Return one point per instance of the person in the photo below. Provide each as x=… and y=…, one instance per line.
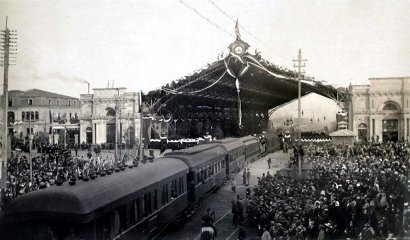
x=207, y=232
x=209, y=216
x=209, y=219
x=248, y=176
x=233, y=185
x=266, y=234
x=269, y=162
x=234, y=211
x=244, y=177
x=239, y=208
x=242, y=233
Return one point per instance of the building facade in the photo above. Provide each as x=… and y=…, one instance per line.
x=46, y=112
x=109, y=110
x=381, y=110
x=318, y=114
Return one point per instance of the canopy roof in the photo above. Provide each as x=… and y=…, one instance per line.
x=259, y=90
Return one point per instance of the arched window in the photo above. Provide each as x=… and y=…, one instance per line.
x=362, y=132
x=110, y=112
x=89, y=135
x=36, y=116
x=23, y=116
x=390, y=107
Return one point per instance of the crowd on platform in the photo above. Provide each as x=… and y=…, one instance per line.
x=54, y=167
x=357, y=192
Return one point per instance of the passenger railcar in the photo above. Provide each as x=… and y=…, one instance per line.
x=130, y=204
x=235, y=155
x=206, y=165
x=252, y=148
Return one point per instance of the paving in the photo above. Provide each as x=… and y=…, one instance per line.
x=220, y=202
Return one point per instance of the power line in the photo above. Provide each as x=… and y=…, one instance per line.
x=205, y=18
x=243, y=28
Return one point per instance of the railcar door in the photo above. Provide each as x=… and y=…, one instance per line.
x=228, y=171
x=191, y=187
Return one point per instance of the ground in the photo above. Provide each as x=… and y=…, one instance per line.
x=220, y=202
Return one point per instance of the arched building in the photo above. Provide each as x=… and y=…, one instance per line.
x=381, y=109
x=106, y=110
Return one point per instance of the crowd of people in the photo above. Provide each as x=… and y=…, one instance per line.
x=357, y=192
x=55, y=167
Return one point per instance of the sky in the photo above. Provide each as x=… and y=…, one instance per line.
x=144, y=44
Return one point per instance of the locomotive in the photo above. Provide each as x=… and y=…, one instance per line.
x=133, y=204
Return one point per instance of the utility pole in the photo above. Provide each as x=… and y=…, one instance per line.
x=30, y=141
x=8, y=41
x=299, y=65
x=141, y=126
x=116, y=129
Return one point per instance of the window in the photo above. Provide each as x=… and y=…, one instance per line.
x=174, y=189
x=133, y=212
x=181, y=185
x=10, y=102
x=390, y=107
x=69, y=103
x=155, y=196
x=164, y=198
x=36, y=116
x=75, y=115
x=147, y=204
x=198, y=176
x=23, y=116
x=49, y=102
x=75, y=103
x=70, y=115
x=58, y=103
x=30, y=101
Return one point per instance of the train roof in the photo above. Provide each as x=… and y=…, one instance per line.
x=249, y=139
x=198, y=155
x=232, y=143
x=85, y=198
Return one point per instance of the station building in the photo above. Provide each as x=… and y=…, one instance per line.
x=106, y=110
x=47, y=112
x=380, y=110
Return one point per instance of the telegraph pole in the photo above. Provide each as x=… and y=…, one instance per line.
x=8, y=41
x=30, y=142
x=141, y=126
x=299, y=65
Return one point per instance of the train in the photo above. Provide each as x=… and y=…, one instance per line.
x=135, y=203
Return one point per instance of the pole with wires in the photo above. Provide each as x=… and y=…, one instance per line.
x=9, y=49
x=299, y=67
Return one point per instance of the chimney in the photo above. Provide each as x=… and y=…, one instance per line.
x=88, y=88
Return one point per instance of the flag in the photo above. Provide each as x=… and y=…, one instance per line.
x=238, y=35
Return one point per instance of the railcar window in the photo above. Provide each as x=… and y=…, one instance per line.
x=174, y=189
x=133, y=213
x=155, y=198
x=147, y=204
x=198, y=176
x=164, y=199
x=180, y=185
